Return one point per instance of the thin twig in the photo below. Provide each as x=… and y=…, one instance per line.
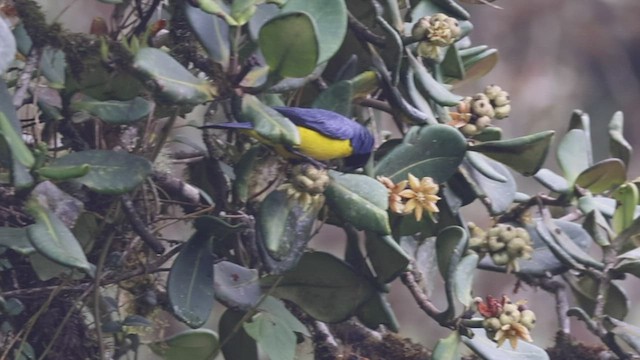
x=559, y=290
x=139, y=226
x=409, y=280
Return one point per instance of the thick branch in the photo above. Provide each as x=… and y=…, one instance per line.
x=139, y=227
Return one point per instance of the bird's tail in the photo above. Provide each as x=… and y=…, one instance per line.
x=229, y=125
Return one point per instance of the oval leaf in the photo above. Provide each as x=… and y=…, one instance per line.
x=190, y=283
x=500, y=193
x=463, y=278
x=524, y=154
x=552, y=181
x=323, y=286
x=290, y=45
x=16, y=239
x=377, y=311
x=432, y=150
x=211, y=31
x=8, y=48
x=236, y=286
x=603, y=176
x=448, y=348
x=387, y=257
x=626, y=197
x=360, y=200
x=330, y=19
x=618, y=146
x=585, y=291
x=173, y=82
x=238, y=344
x=199, y=344
x=285, y=226
x=434, y=89
x=115, y=112
x=573, y=153
x=110, y=172
x=19, y=151
x=52, y=239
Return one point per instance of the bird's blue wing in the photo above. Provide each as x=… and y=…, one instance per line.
x=325, y=122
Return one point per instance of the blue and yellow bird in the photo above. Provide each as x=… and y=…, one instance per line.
x=324, y=135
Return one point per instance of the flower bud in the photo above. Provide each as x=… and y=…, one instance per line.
x=507, y=232
x=502, y=99
x=491, y=323
x=482, y=107
x=482, y=122
x=516, y=247
x=495, y=244
x=528, y=319
x=502, y=112
x=492, y=91
x=500, y=258
x=469, y=130
x=420, y=28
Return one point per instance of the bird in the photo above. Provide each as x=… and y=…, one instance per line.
x=324, y=135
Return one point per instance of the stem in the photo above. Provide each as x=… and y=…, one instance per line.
x=25, y=77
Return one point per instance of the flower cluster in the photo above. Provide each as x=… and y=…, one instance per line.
x=435, y=32
x=504, y=320
x=474, y=114
x=504, y=243
x=306, y=183
x=420, y=196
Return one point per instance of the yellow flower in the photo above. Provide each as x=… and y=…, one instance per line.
x=422, y=196
x=512, y=332
x=395, y=200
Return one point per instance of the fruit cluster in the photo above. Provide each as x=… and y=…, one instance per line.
x=505, y=320
x=434, y=33
x=504, y=243
x=474, y=114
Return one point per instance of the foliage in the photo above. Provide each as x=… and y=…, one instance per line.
x=92, y=180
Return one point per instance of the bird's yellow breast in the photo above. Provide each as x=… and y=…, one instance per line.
x=321, y=147
x=312, y=144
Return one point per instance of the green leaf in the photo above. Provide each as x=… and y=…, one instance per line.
x=236, y=286
x=16, y=239
x=285, y=225
x=53, y=65
x=580, y=120
x=618, y=145
x=236, y=345
x=19, y=151
x=115, y=112
x=585, y=292
x=569, y=246
x=243, y=10
x=46, y=269
x=598, y=227
x=273, y=328
x=626, y=200
x=323, y=286
x=426, y=261
x=377, y=311
x=289, y=44
x=448, y=348
x=218, y=8
x=488, y=350
x=52, y=239
x=452, y=65
x=433, y=88
x=212, y=32
x=387, y=257
x=268, y=123
x=478, y=64
x=277, y=341
x=360, y=200
x=500, y=193
x=8, y=48
x=573, y=153
x=432, y=150
x=264, y=13
x=603, y=176
x=330, y=20
x=192, y=344
x=173, y=83
x=628, y=333
x=524, y=154
x=63, y=172
x=111, y=172
x=190, y=283
x=484, y=166
x=336, y=97
x=450, y=245
x=463, y=279
x=552, y=181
